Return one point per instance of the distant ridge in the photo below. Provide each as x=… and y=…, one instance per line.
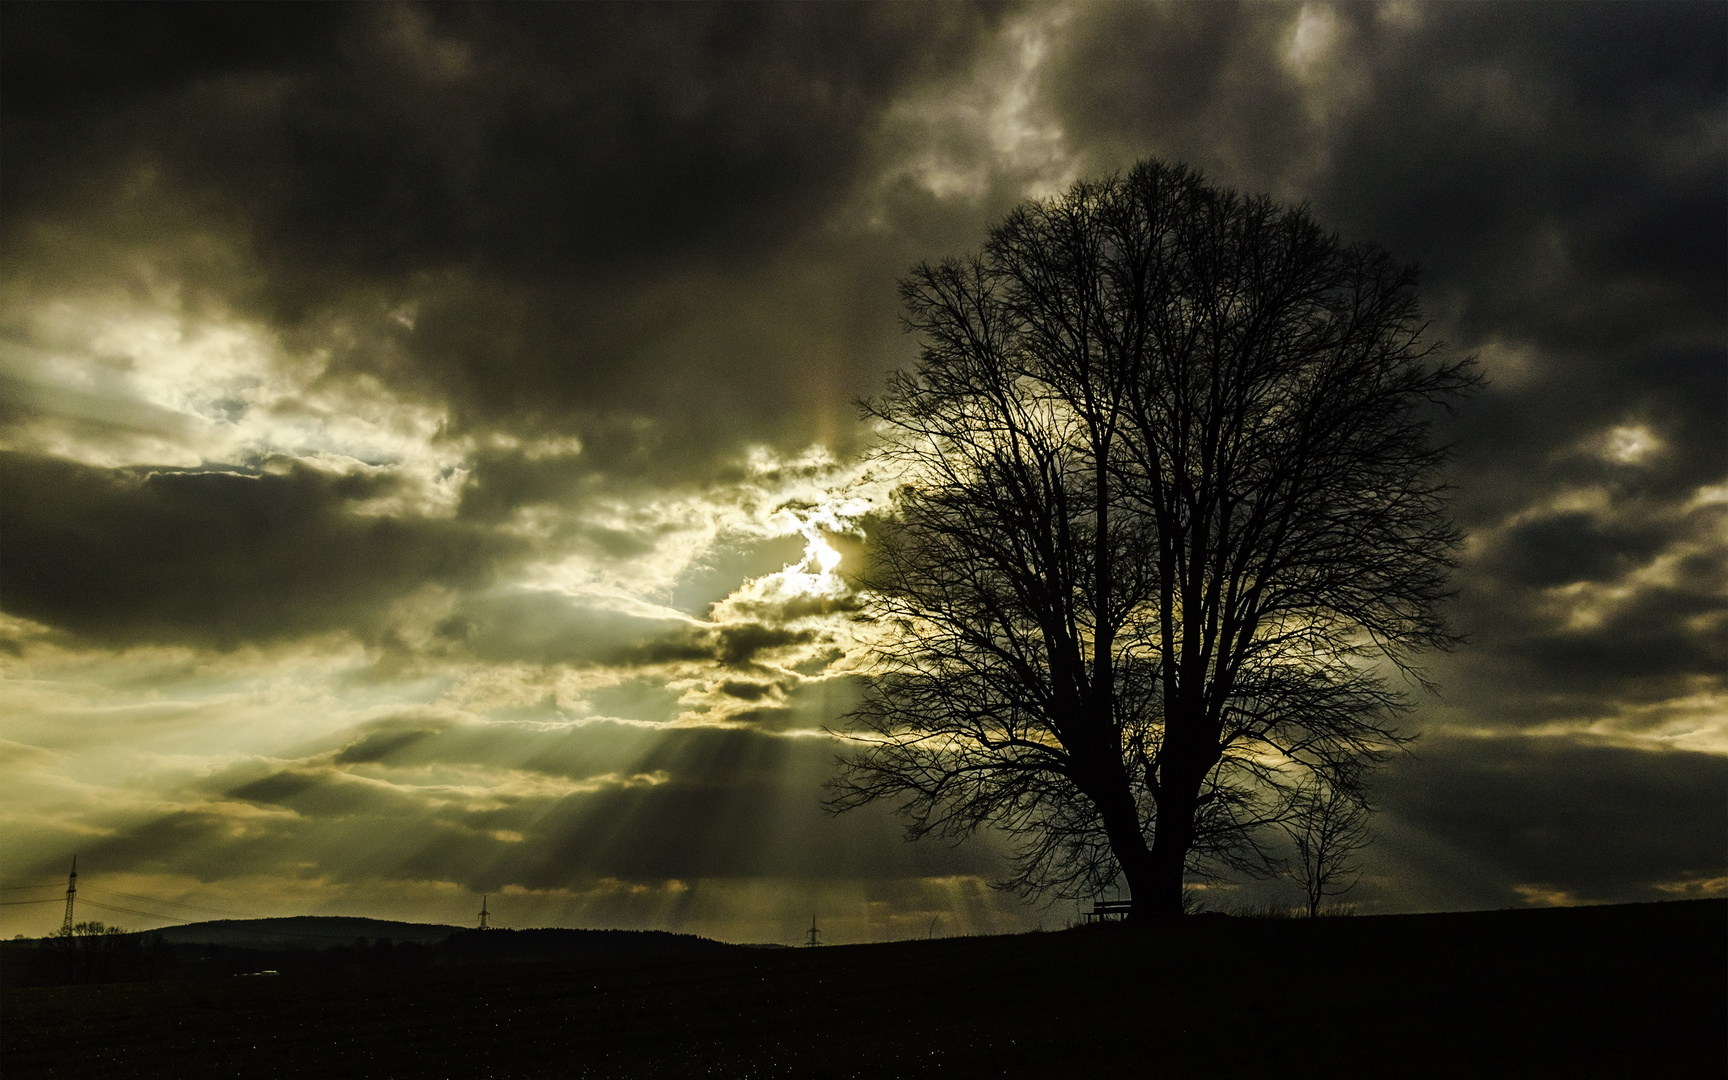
x=457, y=943
x=303, y=932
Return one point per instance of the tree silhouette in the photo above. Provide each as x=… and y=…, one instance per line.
x=1329, y=828
x=1169, y=505
x=90, y=950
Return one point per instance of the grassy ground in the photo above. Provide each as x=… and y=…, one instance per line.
x=1623, y=992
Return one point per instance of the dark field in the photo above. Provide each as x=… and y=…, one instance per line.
x=1635, y=991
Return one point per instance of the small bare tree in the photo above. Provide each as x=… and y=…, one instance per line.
x=1329, y=827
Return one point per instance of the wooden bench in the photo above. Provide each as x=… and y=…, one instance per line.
x=1103, y=910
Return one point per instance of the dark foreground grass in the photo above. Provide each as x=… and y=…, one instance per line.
x=1636, y=991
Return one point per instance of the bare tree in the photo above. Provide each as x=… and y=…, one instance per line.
x=1329, y=828
x=89, y=950
x=1169, y=502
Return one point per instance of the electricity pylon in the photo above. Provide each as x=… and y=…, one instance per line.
x=483, y=925
x=71, y=891
x=813, y=936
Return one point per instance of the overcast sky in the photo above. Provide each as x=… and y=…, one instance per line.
x=428, y=432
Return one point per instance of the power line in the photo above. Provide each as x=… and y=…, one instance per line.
x=167, y=918
x=130, y=896
x=170, y=903
x=132, y=911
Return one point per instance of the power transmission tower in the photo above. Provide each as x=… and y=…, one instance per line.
x=813, y=936
x=483, y=923
x=71, y=891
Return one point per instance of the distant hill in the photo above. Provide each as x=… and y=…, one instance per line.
x=457, y=943
x=312, y=943
x=303, y=932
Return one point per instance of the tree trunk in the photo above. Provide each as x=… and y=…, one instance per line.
x=1180, y=779
x=1128, y=844
x=1108, y=786
x=1153, y=874
x=1168, y=858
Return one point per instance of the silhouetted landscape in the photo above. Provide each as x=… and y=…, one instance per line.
x=1631, y=990
x=312, y=944
x=911, y=471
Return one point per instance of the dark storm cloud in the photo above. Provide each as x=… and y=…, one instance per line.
x=1575, y=614
x=1193, y=82
x=583, y=140
x=121, y=557
x=596, y=212
x=207, y=846
x=552, y=628
x=415, y=742
x=1555, y=168
x=740, y=645
x=326, y=794
x=73, y=61
x=1576, y=546
x=1557, y=171
x=392, y=739
x=1597, y=822
x=500, y=482
x=746, y=691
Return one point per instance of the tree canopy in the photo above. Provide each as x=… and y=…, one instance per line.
x=1171, y=525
